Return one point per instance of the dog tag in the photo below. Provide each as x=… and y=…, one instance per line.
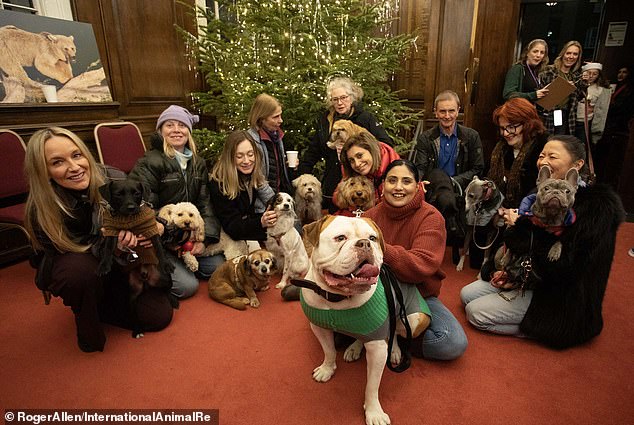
x=559, y=118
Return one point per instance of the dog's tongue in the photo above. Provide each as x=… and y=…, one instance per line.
x=367, y=271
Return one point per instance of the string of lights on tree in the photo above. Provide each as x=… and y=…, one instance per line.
x=290, y=49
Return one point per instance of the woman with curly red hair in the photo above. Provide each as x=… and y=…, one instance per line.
x=522, y=137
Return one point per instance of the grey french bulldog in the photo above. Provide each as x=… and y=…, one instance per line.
x=554, y=198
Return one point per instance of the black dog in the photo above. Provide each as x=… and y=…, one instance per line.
x=127, y=211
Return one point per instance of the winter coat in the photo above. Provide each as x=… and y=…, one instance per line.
x=565, y=309
x=317, y=149
x=514, y=82
x=238, y=216
x=469, y=162
x=169, y=184
x=275, y=169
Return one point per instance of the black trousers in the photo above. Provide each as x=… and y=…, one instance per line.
x=96, y=300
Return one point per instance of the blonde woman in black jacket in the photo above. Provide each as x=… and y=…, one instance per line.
x=174, y=173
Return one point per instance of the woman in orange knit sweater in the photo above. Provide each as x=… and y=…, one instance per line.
x=415, y=237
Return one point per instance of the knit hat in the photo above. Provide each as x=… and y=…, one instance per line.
x=592, y=65
x=178, y=113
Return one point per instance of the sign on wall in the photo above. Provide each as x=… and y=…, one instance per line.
x=616, y=34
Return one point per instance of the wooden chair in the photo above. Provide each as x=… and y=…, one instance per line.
x=14, y=240
x=119, y=144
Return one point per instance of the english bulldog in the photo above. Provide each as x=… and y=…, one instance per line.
x=342, y=292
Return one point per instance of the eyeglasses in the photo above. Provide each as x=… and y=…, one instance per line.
x=510, y=129
x=339, y=99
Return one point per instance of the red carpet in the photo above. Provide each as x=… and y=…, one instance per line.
x=255, y=366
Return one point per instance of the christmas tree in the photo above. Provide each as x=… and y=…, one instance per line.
x=290, y=49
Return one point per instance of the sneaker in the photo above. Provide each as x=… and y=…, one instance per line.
x=291, y=293
x=631, y=252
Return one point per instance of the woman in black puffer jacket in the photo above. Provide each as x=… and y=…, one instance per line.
x=174, y=173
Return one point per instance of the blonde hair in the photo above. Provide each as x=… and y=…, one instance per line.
x=263, y=107
x=44, y=206
x=225, y=171
x=352, y=89
x=364, y=140
x=559, y=59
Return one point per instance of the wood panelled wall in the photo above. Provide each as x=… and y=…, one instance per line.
x=145, y=61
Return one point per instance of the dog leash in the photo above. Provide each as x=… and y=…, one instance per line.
x=475, y=220
x=389, y=284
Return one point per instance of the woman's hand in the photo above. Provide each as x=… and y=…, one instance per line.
x=541, y=93
x=160, y=227
x=198, y=248
x=126, y=239
x=509, y=215
x=269, y=218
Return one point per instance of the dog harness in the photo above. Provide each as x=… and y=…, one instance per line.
x=369, y=322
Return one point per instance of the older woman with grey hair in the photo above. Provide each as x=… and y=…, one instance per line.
x=343, y=102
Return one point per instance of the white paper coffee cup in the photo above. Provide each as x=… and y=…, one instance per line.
x=50, y=93
x=293, y=159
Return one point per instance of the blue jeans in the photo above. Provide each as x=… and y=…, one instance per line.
x=488, y=311
x=184, y=282
x=444, y=339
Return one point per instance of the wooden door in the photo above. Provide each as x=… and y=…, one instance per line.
x=491, y=53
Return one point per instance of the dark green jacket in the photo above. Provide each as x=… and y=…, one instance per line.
x=513, y=84
x=168, y=184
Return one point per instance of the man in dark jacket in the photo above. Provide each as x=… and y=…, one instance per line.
x=453, y=147
x=344, y=99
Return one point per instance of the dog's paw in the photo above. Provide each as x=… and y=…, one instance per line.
x=555, y=252
x=190, y=262
x=281, y=285
x=374, y=415
x=460, y=265
x=262, y=289
x=395, y=355
x=255, y=303
x=137, y=334
x=353, y=352
x=323, y=372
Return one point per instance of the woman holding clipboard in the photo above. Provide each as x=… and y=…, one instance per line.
x=561, y=119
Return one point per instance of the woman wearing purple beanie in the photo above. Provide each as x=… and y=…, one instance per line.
x=173, y=173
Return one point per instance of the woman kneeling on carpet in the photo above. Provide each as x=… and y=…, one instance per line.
x=415, y=236
x=174, y=172
x=239, y=189
x=562, y=308
x=63, y=214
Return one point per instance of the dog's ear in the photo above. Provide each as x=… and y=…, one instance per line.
x=313, y=230
x=544, y=173
x=572, y=177
x=105, y=192
x=295, y=182
x=272, y=201
x=247, y=263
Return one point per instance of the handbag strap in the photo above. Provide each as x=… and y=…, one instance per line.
x=390, y=283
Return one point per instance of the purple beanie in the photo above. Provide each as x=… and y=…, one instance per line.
x=178, y=113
